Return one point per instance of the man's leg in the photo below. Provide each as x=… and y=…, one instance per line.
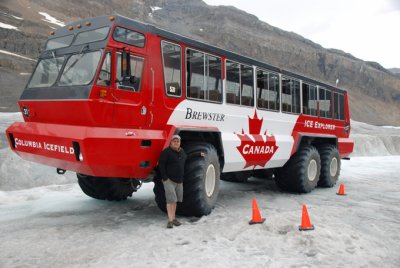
x=171, y=208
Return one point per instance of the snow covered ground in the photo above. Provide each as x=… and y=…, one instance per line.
x=56, y=225
x=50, y=19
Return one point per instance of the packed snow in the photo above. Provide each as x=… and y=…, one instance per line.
x=50, y=19
x=8, y=26
x=153, y=9
x=47, y=221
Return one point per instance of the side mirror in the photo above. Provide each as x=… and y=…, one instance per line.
x=125, y=65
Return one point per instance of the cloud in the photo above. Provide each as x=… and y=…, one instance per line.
x=394, y=4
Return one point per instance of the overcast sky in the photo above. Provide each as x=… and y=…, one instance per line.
x=367, y=29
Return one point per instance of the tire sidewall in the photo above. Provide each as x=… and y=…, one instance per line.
x=211, y=158
x=327, y=180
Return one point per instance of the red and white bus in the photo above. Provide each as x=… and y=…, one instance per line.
x=108, y=93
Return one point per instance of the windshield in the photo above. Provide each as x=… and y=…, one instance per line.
x=80, y=69
x=46, y=72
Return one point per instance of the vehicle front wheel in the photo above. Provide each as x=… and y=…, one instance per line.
x=201, y=182
x=112, y=189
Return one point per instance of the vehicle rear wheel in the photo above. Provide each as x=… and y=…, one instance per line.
x=330, y=165
x=201, y=182
x=112, y=189
x=301, y=173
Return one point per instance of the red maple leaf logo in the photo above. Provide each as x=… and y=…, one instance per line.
x=255, y=148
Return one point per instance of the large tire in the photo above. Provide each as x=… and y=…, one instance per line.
x=159, y=192
x=301, y=173
x=201, y=182
x=330, y=165
x=112, y=189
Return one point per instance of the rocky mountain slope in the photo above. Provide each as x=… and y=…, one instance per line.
x=374, y=91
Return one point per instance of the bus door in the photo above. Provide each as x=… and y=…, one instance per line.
x=130, y=92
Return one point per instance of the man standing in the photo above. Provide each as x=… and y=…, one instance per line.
x=171, y=166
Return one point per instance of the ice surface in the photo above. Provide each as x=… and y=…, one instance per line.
x=58, y=226
x=375, y=140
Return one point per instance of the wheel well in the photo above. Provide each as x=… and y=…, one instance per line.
x=214, y=138
x=316, y=141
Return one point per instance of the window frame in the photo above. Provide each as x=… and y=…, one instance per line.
x=316, y=96
x=300, y=94
x=104, y=56
x=162, y=58
x=67, y=59
x=341, y=109
x=119, y=26
x=319, y=103
x=116, y=71
x=205, y=76
x=279, y=89
x=49, y=40
x=240, y=83
x=85, y=43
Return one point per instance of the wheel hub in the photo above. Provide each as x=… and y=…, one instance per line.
x=333, y=167
x=210, y=180
x=312, y=170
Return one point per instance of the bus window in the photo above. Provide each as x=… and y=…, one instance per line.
x=203, y=76
x=172, y=68
x=232, y=82
x=133, y=82
x=239, y=84
x=127, y=36
x=104, y=78
x=80, y=69
x=59, y=42
x=310, y=99
x=325, y=103
x=339, y=106
x=214, y=78
x=290, y=95
x=195, y=74
x=267, y=90
x=91, y=36
x=341, y=101
x=247, y=85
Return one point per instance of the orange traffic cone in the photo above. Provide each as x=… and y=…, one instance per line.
x=305, y=221
x=341, y=190
x=256, y=214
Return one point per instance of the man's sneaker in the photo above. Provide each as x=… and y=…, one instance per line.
x=176, y=222
x=170, y=224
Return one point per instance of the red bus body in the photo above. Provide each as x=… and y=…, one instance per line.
x=113, y=132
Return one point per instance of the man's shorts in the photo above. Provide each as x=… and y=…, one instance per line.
x=173, y=191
